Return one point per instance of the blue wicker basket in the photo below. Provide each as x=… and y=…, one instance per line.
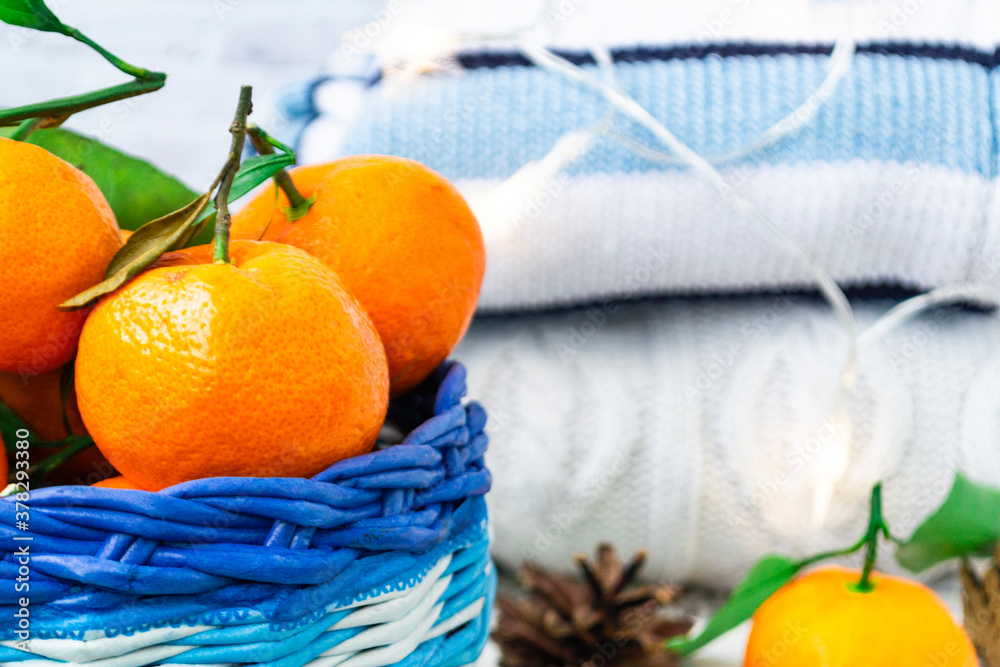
x=379, y=560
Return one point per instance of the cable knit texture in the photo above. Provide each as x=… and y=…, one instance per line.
x=696, y=428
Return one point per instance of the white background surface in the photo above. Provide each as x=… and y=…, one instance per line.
x=207, y=48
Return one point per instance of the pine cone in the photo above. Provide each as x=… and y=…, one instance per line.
x=981, y=606
x=600, y=620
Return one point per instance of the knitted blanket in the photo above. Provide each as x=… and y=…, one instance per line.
x=891, y=183
x=700, y=428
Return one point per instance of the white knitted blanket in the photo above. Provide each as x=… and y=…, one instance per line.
x=697, y=428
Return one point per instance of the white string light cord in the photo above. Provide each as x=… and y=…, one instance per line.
x=625, y=104
x=976, y=291
x=833, y=465
x=498, y=207
x=841, y=59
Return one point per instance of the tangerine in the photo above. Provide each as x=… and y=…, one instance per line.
x=822, y=619
x=402, y=239
x=116, y=483
x=264, y=366
x=57, y=237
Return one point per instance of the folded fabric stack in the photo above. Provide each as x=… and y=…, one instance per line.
x=700, y=427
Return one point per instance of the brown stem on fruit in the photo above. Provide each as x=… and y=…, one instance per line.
x=223, y=219
x=298, y=206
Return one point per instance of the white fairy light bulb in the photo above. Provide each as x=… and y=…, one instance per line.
x=405, y=48
x=500, y=209
x=834, y=459
x=417, y=44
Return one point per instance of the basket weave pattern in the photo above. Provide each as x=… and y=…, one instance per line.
x=378, y=560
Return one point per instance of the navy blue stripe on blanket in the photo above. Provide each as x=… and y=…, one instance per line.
x=641, y=54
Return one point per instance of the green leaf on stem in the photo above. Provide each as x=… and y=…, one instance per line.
x=10, y=424
x=69, y=446
x=62, y=108
x=136, y=190
x=30, y=14
x=34, y=14
x=256, y=170
x=766, y=576
x=252, y=173
x=157, y=237
x=259, y=135
x=966, y=524
x=143, y=248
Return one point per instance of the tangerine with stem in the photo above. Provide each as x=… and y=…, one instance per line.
x=402, y=239
x=825, y=618
x=262, y=366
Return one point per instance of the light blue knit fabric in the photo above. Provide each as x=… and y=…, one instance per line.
x=889, y=184
x=489, y=122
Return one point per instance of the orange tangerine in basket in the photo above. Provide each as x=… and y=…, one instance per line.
x=402, y=239
x=264, y=366
x=116, y=483
x=37, y=400
x=57, y=236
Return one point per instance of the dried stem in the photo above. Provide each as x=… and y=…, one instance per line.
x=223, y=219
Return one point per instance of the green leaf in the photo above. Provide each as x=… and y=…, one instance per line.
x=256, y=170
x=70, y=446
x=766, y=576
x=257, y=133
x=142, y=249
x=157, y=237
x=968, y=523
x=136, y=190
x=59, y=109
x=253, y=172
x=30, y=14
x=10, y=424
